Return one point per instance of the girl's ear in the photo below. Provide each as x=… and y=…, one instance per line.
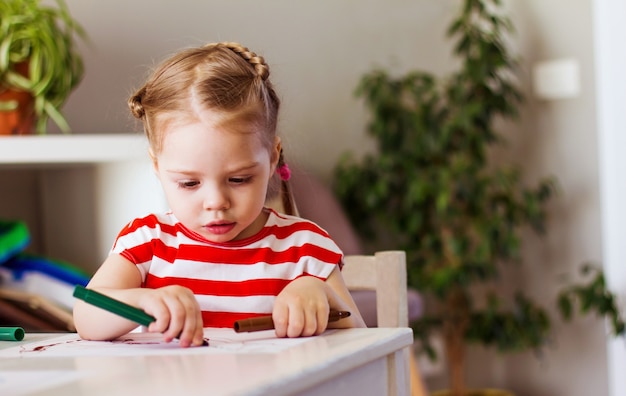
x=275, y=155
x=155, y=163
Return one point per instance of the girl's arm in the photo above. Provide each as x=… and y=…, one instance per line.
x=343, y=301
x=302, y=307
x=175, y=308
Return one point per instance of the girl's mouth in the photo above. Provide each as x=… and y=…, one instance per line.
x=219, y=228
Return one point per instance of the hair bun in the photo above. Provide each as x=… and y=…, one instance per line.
x=135, y=105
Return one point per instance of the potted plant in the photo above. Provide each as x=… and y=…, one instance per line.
x=431, y=189
x=39, y=64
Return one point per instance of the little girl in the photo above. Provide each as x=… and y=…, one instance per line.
x=219, y=254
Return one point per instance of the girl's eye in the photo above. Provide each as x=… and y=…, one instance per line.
x=188, y=184
x=239, y=180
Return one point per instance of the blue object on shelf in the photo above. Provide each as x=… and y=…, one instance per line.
x=14, y=237
x=23, y=263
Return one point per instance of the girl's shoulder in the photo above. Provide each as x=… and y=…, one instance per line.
x=281, y=220
x=152, y=223
x=297, y=230
x=301, y=238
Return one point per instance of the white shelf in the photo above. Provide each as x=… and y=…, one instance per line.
x=84, y=189
x=72, y=149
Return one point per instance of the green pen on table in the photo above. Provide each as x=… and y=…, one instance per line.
x=11, y=334
x=115, y=306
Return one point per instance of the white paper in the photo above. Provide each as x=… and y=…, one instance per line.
x=135, y=344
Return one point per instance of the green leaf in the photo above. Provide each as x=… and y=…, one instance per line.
x=44, y=36
x=431, y=186
x=9, y=105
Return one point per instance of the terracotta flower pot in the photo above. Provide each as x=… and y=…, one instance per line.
x=21, y=120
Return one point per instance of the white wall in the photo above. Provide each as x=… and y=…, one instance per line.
x=609, y=33
x=317, y=50
x=561, y=139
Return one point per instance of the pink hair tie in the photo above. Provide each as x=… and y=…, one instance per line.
x=284, y=172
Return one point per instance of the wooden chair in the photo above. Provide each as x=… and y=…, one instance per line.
x=385, y=273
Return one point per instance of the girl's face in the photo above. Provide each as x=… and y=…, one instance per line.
x=215, y=179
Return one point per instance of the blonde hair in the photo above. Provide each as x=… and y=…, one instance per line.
x=225, y=77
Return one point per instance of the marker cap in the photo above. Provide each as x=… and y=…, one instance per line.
x=11, y=334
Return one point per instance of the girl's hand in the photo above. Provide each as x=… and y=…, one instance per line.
x=175, y=308
x=177, y=314
x=301, y=308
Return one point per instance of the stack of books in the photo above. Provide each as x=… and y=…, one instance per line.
x=35, y=292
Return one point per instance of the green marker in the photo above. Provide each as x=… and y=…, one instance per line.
x=115, y=306
x=11, y=334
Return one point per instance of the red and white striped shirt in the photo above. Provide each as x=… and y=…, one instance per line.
x=233, y=280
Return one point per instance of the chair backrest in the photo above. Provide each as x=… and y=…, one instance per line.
x=385, y=273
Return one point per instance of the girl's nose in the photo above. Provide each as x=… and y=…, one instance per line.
x=215, y=198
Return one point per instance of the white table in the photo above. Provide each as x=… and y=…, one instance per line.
x=339, y=362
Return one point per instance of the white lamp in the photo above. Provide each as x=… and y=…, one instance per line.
x=556, y=79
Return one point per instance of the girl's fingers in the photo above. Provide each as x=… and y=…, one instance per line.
x=322, y=320
x=160, y=312
x=300, y=317
x=280, y=316
x=307, y=321
x=184, y=318
x=177, y=318
x=177, y=315
x=315, y=320
x=297, y=321
x=198, y=338
x=192, y=333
